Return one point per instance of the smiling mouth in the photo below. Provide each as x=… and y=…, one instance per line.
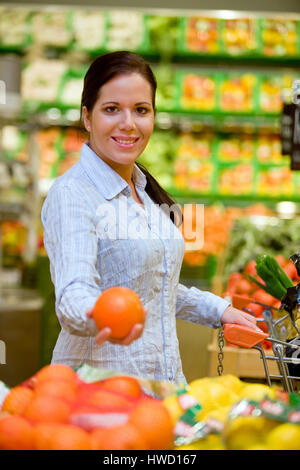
x=126, y=142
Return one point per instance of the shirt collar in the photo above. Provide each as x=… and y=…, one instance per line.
x=108, y=182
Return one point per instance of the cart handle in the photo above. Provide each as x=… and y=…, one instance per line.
x=242, y=335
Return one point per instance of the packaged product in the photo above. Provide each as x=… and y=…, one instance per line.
x=201, y=35
x=88, y=28
x=239, y=35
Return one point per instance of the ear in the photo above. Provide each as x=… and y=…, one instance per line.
x=86, y=118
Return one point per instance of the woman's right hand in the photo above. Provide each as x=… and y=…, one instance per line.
x=105, y=333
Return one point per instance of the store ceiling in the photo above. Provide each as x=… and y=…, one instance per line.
x=292, y=6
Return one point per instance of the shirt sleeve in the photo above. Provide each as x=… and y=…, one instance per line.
x=197, y=306
x=71, y=243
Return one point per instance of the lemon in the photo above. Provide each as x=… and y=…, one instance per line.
x=172, y=405
x=257, y=392
x=199, y=382
x=221, y=396
x=246, y=431
x=211, y=442
x=231, y=382
x=284, y=437
x=200, y=392
x=220, y=414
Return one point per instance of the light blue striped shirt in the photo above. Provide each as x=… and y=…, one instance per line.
x=97, y=236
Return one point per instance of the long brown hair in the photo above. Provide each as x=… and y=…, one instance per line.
x=103, y=69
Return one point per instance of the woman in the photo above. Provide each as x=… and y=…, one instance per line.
x=84, y=217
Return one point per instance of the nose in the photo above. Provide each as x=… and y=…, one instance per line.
x=127, y=121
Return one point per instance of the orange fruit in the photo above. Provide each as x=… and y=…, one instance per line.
x=118, y=308
x=47, y=409
x=16, y=433
x=57, y=388
x=123, y=384
x=154, y=422
x=42, y=434
x=56, y=372
x=52, y=436
x=108, y=400
x=124, y=437
x=17, y=400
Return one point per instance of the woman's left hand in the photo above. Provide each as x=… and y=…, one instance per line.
x=233, y=315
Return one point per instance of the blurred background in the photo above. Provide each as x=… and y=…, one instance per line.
x=223, y=138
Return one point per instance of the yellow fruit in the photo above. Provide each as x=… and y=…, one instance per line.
x=202, y=395
x=246, y=431
x=199, y=382
x=172, y=405
x=220, y=414
x=221, y=396
x=284, y=437
x=211, y=442
x=257, y=392
x=231, y=382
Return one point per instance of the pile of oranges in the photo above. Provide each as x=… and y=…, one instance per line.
x=56, y=410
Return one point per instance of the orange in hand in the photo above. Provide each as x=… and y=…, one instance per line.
x=119, y=309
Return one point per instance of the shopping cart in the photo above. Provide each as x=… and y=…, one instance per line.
x=286, y=352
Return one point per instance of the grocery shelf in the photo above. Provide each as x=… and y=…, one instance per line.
x=228, y=59
x=196, y=121
x=10, y=210
x=190, y=195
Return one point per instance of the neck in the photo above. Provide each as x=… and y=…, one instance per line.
x=125, y=171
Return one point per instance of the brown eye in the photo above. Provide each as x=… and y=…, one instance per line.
x=110, y=109
x=142, y=110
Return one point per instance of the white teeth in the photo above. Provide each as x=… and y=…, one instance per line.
x=125, y=142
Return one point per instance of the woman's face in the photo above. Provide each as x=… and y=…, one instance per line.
x=122, y=119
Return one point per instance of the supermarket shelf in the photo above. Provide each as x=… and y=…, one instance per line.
x=182, y=58
x=10, y=210
x=196, y=121
x=258, y=60
x=188, y=195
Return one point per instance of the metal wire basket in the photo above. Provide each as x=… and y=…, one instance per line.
x=286, y=352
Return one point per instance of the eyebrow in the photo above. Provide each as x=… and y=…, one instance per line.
x=136, y=104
